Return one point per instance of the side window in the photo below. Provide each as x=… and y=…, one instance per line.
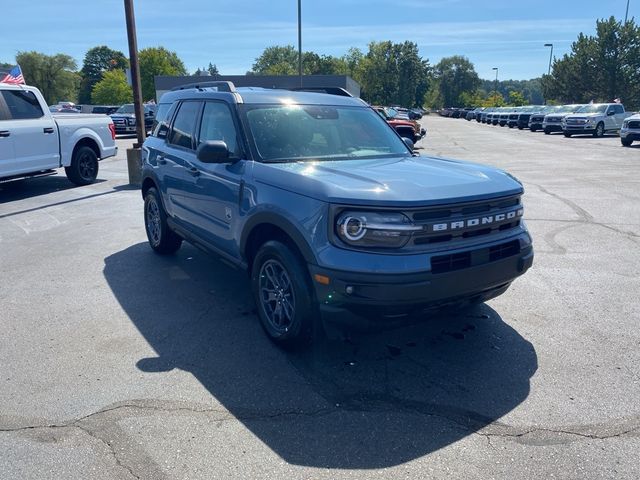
x=217, y=124
x=22, y=105
x=181, y=134
x=163, y=117
x=618, y=109
x=4, y=113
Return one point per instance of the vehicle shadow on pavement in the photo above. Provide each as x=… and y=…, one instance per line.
x=23, y=188
x=373, y=401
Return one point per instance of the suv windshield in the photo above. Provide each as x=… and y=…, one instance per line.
x=126, y=108
x=320, y=132
x=593, y=109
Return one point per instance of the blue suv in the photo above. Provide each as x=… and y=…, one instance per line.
x=331, y=213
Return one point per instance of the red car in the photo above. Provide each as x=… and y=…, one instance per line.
x=406, y=128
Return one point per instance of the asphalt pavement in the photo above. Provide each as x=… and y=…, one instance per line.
x=116, y=363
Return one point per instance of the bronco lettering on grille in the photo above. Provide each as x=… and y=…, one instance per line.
x=474, y=222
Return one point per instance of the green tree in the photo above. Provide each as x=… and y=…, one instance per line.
x=600, y=67
x=213, y=69
x=516, y=98
x=453, y=76
x=54, y=75
x=393, y=74
x=277, y=60
x=112, y=89
x=97, y=61
x=157, y=61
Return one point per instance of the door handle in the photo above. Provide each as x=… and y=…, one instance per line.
x=161, y=160
x=47, y=130
x=194, y=171
x=4, y=133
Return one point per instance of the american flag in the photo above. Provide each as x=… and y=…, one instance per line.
x=14, y=76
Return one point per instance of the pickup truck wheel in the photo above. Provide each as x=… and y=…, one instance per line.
x=84, y=166
x=283, y=296
x=161, y=238
x=599, y=131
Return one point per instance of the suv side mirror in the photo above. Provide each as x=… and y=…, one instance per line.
x=611, y=113
x=213, y=151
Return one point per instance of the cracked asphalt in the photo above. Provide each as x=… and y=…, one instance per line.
x=118, y=364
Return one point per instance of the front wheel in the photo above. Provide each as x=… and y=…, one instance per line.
x=567, y=134
x=84, y=166
x=161, y=238
x=547, y=131
x=282, y=292
x=599, y=131
x=533, y=129
x=626, y=142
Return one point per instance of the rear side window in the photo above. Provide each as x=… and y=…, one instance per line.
x=618, y=109
x=22, y=105
x=161, y=116
x=181, y=134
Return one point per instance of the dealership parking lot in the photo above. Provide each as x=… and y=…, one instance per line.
x=117, y=363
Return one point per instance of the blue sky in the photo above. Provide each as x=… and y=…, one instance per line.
x=492, y=33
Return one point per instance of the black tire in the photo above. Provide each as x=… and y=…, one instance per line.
x=283, y=295
x=599, y=131
x=84, y=166
x=161, y=238
x=568, y=134
x=534, y=129
x=547, y=131
x=520, y=128
x=625, y=142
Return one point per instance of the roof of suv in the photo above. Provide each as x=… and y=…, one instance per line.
x=258, y=95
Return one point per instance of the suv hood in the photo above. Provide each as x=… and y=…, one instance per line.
x=398, y=181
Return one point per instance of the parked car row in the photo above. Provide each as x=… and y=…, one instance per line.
x=123, y=116
x=400, y=120
x=596, y=119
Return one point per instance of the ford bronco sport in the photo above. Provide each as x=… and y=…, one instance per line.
x=328, y=209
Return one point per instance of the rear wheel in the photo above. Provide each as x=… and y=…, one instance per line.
x=284, y=299
x=161, y=238
x=599, y=131
x=84, y=166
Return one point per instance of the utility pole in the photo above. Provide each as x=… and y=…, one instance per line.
x=300, y=41
x=496, y=84
x=550, y=56
x=134, y=155
x=626, y=15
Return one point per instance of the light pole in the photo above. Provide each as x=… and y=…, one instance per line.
x=550, y=56
x=300, y=41
x=496, y=84
x=626, y=15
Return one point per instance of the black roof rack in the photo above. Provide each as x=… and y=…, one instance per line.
x=330, y=90
x=222, y=86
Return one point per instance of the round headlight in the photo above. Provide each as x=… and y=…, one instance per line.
x=353, y=228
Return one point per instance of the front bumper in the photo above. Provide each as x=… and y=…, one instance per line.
x=578, y=129
x=364, y=298
x=552, y=127
x=633, y=135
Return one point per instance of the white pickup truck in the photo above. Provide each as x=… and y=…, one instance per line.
x=595, y=119
x=33, y=141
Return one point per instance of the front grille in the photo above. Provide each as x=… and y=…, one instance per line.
x=537, y=119
x=456, y=223
x=513, y=116
x=554, y=120
x=481, y=256
x=634, y=124
x=576, y=121
x=119, y=121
